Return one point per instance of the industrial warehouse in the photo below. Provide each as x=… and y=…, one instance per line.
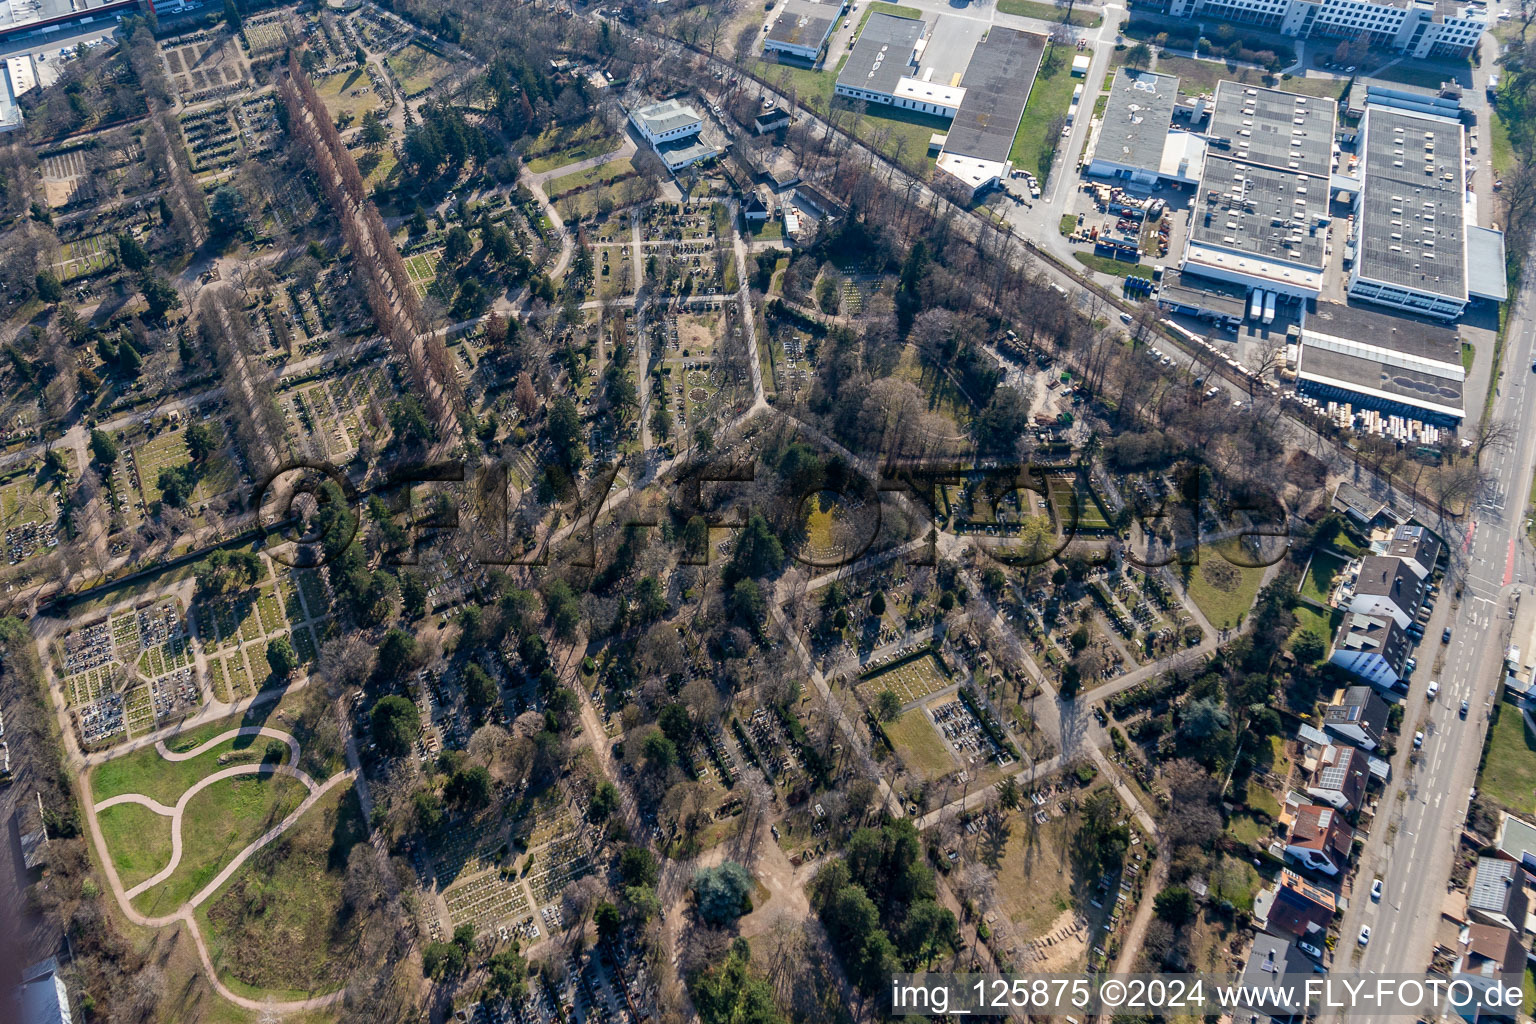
x=937, y=70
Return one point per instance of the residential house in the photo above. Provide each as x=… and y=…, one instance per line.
x=1320, y=839
x=1339, y=778
x=1271, y=960
x=1295, y=908
x=1372, y=648
x=1416, y=546
x=1387, y=585
x=755, y=207
x=1359, y=715
x=771, y=120
x=1497, y=895
x=1493, y=955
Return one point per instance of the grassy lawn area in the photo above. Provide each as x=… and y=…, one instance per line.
x=140, y=841
x=1118, y=268
x=1468, y=354
x=417, y=68
x=1246, y=829
x=811, y=87
x=1235, y=881
x=602, y=173
x=219, y=822
x=1320, y=624
x=1049, y=98
x=1503, y=149
x=1198, y=76
x=1050, y=12
x=556, y=149
x=1427, y=74
x=1224, y=591
x=1068, y=224
x=919, y=745
x=1509, y=775
x=279, y=923
x=145, y=771
x=1320, y=573
x=336, y=90
x=1034, y=876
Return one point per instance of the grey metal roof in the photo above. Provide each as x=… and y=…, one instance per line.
x=1279, y=129
x=1260, y=211
x=1413, y=388
x=803, y=23
x=1408, y=335
x=1204, y=293
x=1136, y=119
x=882, y=55
x=1486, y=276
x=997, y=84
x=1412, y=221
x=667, y=115
x=1372, y=634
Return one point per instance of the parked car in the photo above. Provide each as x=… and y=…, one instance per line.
x=1433, y=690
x=1418, y=739
x=1311, y=950
x=1376, y=889
x=1365, y=934
x=1445, y=635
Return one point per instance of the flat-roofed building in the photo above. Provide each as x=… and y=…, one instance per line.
x=673, y=129
x=1394, y=364
x=881, y=59
x=802, y=28
x=997, y=83
x=1134, y=129
x=1410, y=220
x=1260, y=218
x=1418, y=28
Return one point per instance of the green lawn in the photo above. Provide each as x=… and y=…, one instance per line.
x=1320, y=573
x=1198, y=76
x=1427, y=74
x=1503, y=149
x=1235, y=881
x=1068, y=224
x=1319, y=624
x=1049, y=98
x=1509, y=775
x=1223, y=591
x=919, y=745
x=1118, y=268
x=1050, y=12
x=139, y=839
x=219, y=822
x=279, y=924
x=145, y=771
x=559, y=149
x=1468, y=354
x=601, y=174
x=1245, y=829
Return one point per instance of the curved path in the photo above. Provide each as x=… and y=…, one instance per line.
x=185, y=915
x=175, y=813
x=244, y=730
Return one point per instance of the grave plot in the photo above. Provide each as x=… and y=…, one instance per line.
x=465, y=848
x=485, y=902
x=910, y=677
x=65, y=178
x=203, y=65
x=168, y=450
x=86, y=256
x=237, y=630
x=422, y=267
x=787, y=347
x=964, y=734
x=29, y=513
x=264, y=35
x=329, y=414
x=213, y=137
